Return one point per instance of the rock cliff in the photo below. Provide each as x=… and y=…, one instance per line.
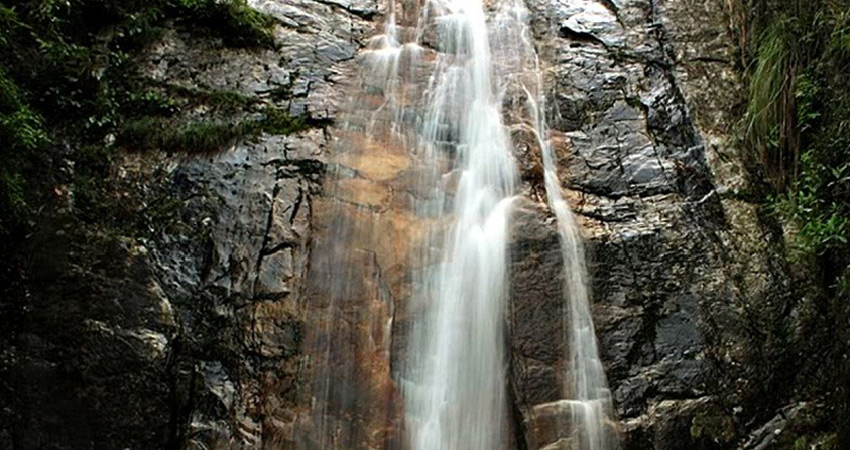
x=220, y=333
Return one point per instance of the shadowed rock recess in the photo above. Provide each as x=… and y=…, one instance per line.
x=205, y=336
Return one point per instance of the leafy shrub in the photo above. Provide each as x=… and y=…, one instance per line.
x=21, y=133
x=797, y=59
x=70, y=64
x=798, y=118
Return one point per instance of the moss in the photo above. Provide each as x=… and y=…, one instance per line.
x=238, y=24
x=150, y=103
x=281, y=93
x=279, y=121
x=713, y=427
x=145, y=133
x=206, y=137
x=71, y=65
x=219, y=99
x=152, y=128
x=203, y=136
x=828, y=441
x=153, y=133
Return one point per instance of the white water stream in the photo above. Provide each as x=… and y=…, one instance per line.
x=485, y=70
x=457, y=397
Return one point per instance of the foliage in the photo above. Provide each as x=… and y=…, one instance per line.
x=797, y=60
x=203, y=136
x=70, y=94
x=150, y=133
x=798, y=118
x=218, y=99
x=279, y=121
x=827, y=442
x=21, y=133
x=770, y=111
x=237, y=23
x=69, y=64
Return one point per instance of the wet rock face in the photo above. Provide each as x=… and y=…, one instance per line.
x=234, y=273
x=536, y=313
x=204, y=336
x=640, y=94
x=235, y=269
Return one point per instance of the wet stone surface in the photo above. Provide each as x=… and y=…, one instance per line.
x=210, y=326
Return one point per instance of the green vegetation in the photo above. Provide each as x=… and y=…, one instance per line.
x=75, y=196
x=219, y=99
x=203, y=136
x=149, y=133
x=771, y=127
x=796, y=55
x=798, y=122
x=22, y=133
x=238, y=24
x=827, y=442
x=278, y=121
x=68, y=80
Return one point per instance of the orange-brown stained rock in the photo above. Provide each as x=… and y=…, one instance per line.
x=375, y=159
x=274, y=327
x=391, y=235
x=351, y=343
x=362, y=192
x=548, y=425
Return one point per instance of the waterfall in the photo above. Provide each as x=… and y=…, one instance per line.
x=591, y=425
x=591, y=406
x=447, y=93
x=456, y=398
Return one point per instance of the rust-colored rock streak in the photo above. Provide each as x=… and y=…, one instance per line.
x=365, y=231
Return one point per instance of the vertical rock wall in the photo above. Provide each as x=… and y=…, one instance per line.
x=236, y=272
x=689, y=284
x=206, y=334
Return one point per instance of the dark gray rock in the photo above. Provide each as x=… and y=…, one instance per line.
x=537, y=334
x=676, y=267
x=196, y=335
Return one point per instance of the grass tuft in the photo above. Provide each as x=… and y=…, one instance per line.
x=204, y=136
x=770, y=117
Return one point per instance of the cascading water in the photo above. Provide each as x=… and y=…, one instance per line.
x=589, y=399
x=591, y=407
x=483, y=78
x=456, y=396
